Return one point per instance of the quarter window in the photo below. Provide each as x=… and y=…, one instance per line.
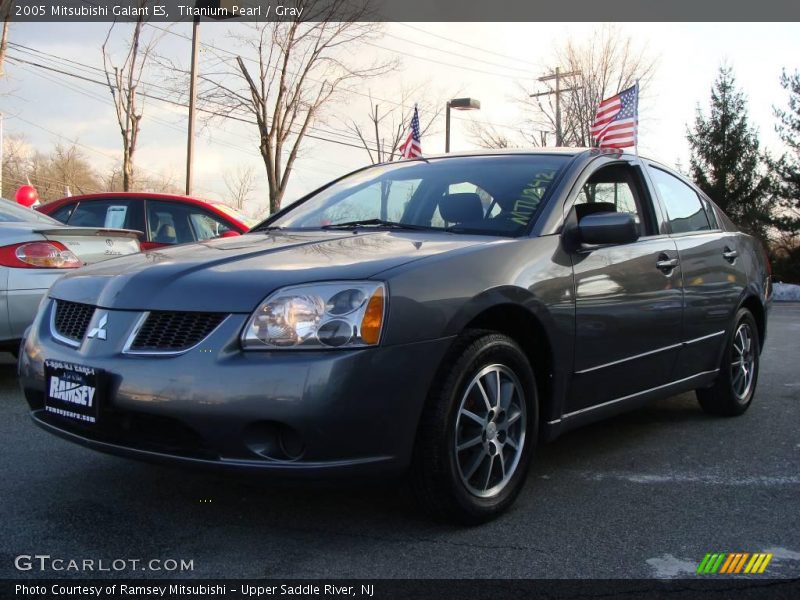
x=684, y=209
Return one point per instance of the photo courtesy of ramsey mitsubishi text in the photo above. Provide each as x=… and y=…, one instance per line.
x=386, y=300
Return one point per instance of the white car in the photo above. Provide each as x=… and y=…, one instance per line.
x=35, y=250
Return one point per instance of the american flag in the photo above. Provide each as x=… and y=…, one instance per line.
x=412, y=148
x=617, y=120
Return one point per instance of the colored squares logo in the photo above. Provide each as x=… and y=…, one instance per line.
x=733, y=563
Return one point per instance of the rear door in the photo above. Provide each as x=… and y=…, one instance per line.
x=628, y=300
x=712, y=279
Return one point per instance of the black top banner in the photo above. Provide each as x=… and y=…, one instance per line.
x=400, y=10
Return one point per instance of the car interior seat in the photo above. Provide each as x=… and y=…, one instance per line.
x=462, y=207
x=165, y=234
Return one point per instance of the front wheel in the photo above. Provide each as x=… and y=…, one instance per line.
x=477, y=431
x=732, y=392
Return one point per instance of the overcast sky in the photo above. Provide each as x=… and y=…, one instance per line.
x=48, y=108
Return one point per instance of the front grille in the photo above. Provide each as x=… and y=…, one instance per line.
x=174, y=331
x=72, y=319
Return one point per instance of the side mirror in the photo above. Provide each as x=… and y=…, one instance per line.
x=608, y=228
x=230, y=233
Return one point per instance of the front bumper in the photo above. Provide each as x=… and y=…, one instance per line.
x=292, y=412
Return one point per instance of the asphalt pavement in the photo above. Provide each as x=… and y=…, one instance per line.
x=646, y=494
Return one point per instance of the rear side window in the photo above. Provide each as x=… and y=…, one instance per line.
x=118, y=214
x=64, y=213
x=685, y=211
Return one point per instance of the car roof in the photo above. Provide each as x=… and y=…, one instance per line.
x=546, y=151
x=151, y=195
x=208, y=204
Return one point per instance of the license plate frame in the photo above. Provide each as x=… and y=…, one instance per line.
x=72, y=391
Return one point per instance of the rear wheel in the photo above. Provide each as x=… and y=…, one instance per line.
x=732, y=392
x=478, y=430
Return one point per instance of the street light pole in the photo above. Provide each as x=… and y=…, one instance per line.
x=447, y=129
x=458, y=104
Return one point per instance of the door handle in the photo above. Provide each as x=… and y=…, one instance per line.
x=665, y=263
x=729, y=255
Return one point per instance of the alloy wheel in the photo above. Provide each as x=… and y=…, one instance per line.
x=490, y=431
x=743, y=363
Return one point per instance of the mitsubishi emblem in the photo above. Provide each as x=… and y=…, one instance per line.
x=99, y=332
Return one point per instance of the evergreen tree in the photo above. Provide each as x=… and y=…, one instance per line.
x=726, y=162
x=786, y=247
x=788, y=167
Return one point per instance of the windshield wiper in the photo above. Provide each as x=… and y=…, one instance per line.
x=266, y=228
x=374, y=223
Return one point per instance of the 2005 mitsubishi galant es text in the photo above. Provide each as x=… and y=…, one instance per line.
x=435, y=316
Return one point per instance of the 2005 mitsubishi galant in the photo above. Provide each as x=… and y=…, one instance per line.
x=436, y=316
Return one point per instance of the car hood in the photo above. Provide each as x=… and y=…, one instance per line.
x=235, y=274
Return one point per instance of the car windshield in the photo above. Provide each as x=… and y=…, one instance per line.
x=495, y=195
x=232, y=212
x=11, y=212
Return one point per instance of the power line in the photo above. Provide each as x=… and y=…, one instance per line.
x=228, y=115
x=470, y=46
x=443, y=51
x=156, y=119
x=343, y=88
x=86, y=68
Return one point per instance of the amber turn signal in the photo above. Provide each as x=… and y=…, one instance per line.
x=373, y=318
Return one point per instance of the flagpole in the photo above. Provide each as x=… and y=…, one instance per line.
x=636, y=130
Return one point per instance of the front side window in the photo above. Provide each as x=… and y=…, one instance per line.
x=684, y=209
x=177, y=223
x=207, y=227
x=497, y=195
x=616, y=188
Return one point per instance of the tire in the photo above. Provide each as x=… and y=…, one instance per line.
x=450, y=482
x=732, y=392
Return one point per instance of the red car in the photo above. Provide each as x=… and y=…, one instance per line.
x=165, y=219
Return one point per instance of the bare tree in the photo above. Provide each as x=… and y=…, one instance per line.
x=62, y=171
x=488, y=135
x=300, y=66
x=386, y=127
x=125, y=82
x=165, y=183
x=17, y=155
x=240, y=183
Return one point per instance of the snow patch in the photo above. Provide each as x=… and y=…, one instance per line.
x=784, y=553
x=703, y=479
x=786, y=292
x=668, y=566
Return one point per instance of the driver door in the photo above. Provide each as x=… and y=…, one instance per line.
x=628, y=298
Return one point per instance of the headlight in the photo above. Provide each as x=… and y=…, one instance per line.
x=320, y=315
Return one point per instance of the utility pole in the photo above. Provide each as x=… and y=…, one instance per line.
x=192, y=103
x=558, y=76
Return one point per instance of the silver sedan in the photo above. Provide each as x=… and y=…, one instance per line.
x=35, y=250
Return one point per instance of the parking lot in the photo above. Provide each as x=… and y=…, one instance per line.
x=641, y=495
